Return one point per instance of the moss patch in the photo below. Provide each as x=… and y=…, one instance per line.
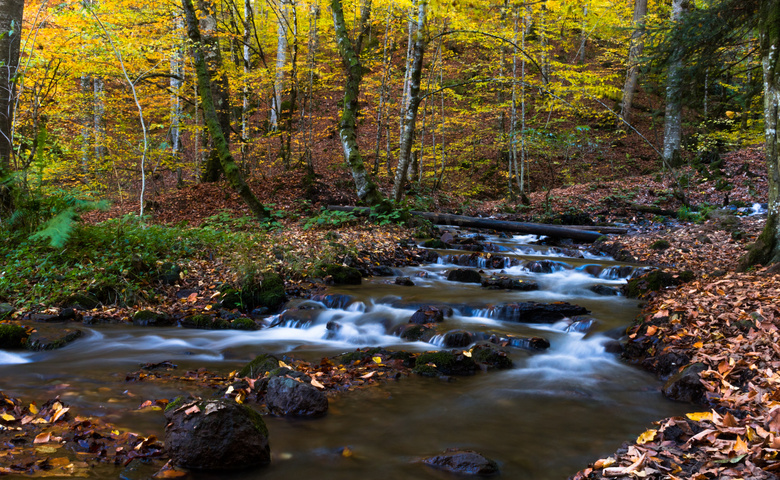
x=259, y=366
x=12, y=336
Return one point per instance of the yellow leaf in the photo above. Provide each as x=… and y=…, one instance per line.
x=33, y=409
x=59, y=414
x=346, y=453
x=740, y=446
x=284, y=365
x=699, y=416
x=604, y=463
x=466, y=353
x=8, y=418
x=648, y=436
x=698, y=344
x=377, y=359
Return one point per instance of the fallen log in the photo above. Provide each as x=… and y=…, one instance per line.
x=555, y=231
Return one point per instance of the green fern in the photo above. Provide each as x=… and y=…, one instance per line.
x=59, y=228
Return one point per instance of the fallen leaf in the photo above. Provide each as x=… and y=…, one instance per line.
x=8, y=418
x=42, y=437
x=368, y=375
x=647, y=436
x=699, y=416
x=317, y=384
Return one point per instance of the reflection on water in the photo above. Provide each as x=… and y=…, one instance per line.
x=544, y=419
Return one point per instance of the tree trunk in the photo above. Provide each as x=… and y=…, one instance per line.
x=634, y=51
x=410, y=116
x=766, y=249
x=227, y=163
x=212, y=55
x=673, y=114
x=11, y=12
x=281, y=61
x=366, y=188
x=177, y=80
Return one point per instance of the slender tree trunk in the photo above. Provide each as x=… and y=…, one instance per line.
x=281, y=61
x=307, y=108
x=11, y=13
x=766, y=249
x=86, y=121
x=218, y=84
x=366, y=188
x=287, y=148
x=410, y=116
x=382, y=90
x=246, y=57
x=177, y=80
x=99, y=119
x=673, y=115
x=634, y=52
x=229, y=166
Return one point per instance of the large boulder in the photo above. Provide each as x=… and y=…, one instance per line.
x=685, y=385
x=534, y=312
x=12, y=337
x=463, y=462
x=216, y=434
x=290, y=397
x=464, y=275
x=149, y=318
x=427, y=314
x=51, y=337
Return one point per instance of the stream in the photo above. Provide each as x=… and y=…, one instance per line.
x=557, y=410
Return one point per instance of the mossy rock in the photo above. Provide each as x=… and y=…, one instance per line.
x=12, y=337
x=426, y=371
x=491, y=356
x=150, y=318
x=259, y=366
x=660, y=245
x=52, y=337
x=654, y=281
x=342, y=275
x=174, y=404
x=6, y=310
x=358, y=355
x=170, y=273
x=447, y=362
x=84, y=301
x=267, y=292
x=435, y=243
x=243, y=323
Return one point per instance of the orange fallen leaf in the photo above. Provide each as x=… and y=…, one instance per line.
x=42, y=437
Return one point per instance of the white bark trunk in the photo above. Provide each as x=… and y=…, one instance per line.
x=281, y=61
x=177, y=80
x=634, y=51
x=673, y=114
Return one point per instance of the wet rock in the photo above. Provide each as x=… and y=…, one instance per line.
x=334, y=300
x=290, y=398
x=244, y=323
x=457, y=339
x=533, y=312
x=341, y=275
x=258, y=367
x=463, y=462
x=506, y=283
x=149, y=318
x=464, y=275
x=205, y=322
x=491, y=357
x=447, y=237
x=546, y=266
x=332, y=328
x=614, y=347
x=414, y=333
x=98, y=320
x=434, y=243
x=216, y=434
x=616, y=272
x=382, y=271
x=594, y=270
x=47, y=318
x=404, y=281
x=685, y=386
x=654, y=281
x=12, y=337
x=444, y=363
x=427, y=314
x=616, y=250
x=604, y=290
x=297, y=317
x=580, y=324
x=262, y=290
x=525, y=343
x=50, y=337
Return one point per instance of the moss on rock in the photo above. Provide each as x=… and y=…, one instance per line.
x=12, y=336
x=259, y=366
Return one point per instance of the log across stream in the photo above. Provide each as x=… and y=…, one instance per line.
x=551, y=414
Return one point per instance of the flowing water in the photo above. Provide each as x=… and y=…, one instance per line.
x=547, y=417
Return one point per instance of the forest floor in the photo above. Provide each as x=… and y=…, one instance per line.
x=721, y=329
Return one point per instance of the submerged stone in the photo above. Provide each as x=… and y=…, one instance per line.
x=463, y=462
